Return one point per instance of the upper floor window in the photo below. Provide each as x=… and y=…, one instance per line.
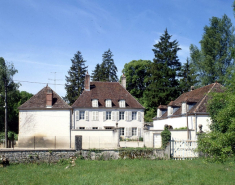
x=122, y=131
x=108, y=115
x=122, y=103
x=121, y=115
x=82, y=115
x=133, y=115
x=108, y=103
x=94, y=103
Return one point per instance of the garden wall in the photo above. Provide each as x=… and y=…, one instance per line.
x=37, y=156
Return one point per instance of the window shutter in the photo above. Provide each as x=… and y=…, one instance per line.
x=77, y=115
x=130, y=115
x=117, y=116
x=139, y=115
x=139, y=132
x=126, y=115
x=127, y=132
x=113, y=116
x=87, y=115
x=130, y=131
x=97, y=116
x=104, y=115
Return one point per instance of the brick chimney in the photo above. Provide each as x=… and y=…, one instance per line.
x=123, y=81
x=49, y=98
x=87, y=82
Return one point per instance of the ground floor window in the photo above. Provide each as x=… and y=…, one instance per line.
x=108, y=128
x=82, y=128
x=122, y=131
x=95, y=128
x=134, y=131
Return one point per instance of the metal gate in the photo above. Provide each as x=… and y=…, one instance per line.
x=78, y=142
x=183, y=149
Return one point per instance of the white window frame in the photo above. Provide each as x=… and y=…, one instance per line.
x=94, y=103
x=76, y=115
x=121, y=115
x=108, y=103
x=134, y=131
x=134, y=115
x=122, y=103
x=95, y=115
x=122, y=131
x=108, y=115
x=87, y=115
x=81, y=115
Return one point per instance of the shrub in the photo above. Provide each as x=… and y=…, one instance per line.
x=166, y=137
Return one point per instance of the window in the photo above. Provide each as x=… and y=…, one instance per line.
x=121, y=115
x=122, y=103
x=94, y=128
x=94, y=103
x=95, y=116
x=108, y=115
x=82, y=114
x=121, y=131
x=108, y=103
x=82, y=128
x=133, y=115
x=134, y=131
x=108, y=128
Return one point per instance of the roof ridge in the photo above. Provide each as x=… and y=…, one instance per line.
x=204, y=97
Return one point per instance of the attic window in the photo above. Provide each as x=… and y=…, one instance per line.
x=94, y=103
x=170, y=111
x=160, y=112
x=108, y=103
x=122, y=103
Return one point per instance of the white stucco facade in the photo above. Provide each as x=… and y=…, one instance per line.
x=177, y=122
x=130, y=121
x=45, y=125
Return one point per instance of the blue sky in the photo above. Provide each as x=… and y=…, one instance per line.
x=41, y=36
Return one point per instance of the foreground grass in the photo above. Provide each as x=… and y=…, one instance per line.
x=121, y=172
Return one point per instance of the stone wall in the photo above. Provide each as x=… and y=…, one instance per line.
x=51, y=156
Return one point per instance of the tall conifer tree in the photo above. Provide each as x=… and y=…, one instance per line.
x=75, y=79
x=164, y=83
x=215, y=55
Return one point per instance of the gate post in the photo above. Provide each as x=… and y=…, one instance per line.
x=78, y=142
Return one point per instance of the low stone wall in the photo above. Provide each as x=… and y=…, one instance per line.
x=51, y=156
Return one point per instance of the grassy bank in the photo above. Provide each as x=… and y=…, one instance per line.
x=121, y=172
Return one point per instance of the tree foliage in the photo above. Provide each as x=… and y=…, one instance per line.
x=137, y=74
x=75, y=79
x=215, y=56
x=107, y=70
x=188, y=77
x=166, y=137
x=165, y=70
x=14, y=97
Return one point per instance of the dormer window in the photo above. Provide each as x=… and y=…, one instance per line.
x=122, y=103
x=169, y=111
x=108, y=103
x=183, y=107
x=94, y=103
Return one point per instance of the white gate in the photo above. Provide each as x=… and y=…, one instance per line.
x=157, y=141
x=183, y=149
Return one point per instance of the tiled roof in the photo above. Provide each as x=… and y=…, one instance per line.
x=38, y=101
x=162, y=106
x=198, y=96
x=106, y=90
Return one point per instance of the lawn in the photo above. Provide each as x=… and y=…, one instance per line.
x=121, y=172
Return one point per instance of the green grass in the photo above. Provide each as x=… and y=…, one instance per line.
x=121, y=172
